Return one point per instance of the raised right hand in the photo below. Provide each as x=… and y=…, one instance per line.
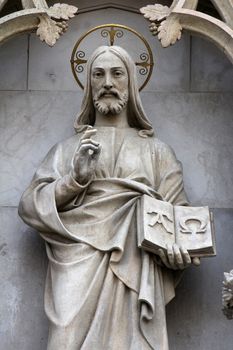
x=86, y=157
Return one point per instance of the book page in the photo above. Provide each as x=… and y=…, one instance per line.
x=193, y=227
x=158, y=222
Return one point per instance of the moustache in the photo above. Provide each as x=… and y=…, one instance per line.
x=104, y=92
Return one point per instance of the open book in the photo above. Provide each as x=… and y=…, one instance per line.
x=161, y=223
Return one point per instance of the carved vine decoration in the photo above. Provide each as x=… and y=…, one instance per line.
x=49, y=22
x=168, y=22
x=227, y=295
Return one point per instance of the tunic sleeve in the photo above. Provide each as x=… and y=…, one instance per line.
x=171, y=185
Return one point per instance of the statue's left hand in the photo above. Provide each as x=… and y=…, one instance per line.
x=177, y=257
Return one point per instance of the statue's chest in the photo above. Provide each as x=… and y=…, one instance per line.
x=124, y=155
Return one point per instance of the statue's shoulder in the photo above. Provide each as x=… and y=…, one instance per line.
x=162, y=147
x=165, y=153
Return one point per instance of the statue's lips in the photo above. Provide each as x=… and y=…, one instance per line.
x=109, y=94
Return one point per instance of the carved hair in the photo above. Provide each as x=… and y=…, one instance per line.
x=136, y=117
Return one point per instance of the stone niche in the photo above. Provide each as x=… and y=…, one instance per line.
x=189, y=100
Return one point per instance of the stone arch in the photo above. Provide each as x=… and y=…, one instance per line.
x=182, y=14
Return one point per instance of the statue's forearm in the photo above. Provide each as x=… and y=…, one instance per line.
x=66, y=189
x=40, y=201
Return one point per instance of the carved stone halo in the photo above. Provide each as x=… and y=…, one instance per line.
x=113, y=32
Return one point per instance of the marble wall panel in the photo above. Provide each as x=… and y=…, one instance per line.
x=195, y=319
x=49, y=69
x=13, y=64
x=30, y=124
x=199, y=127
x=23, y=324
x=211, y=70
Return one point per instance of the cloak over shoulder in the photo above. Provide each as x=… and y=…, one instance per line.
x=95, y=267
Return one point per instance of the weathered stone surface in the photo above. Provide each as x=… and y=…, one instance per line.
x=31, y=123
x=13, y=64
x=211, y=70
x=195, y=319
x=199, y=127
x=23, y=324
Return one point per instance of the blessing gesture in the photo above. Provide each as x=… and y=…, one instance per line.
x=86, y=157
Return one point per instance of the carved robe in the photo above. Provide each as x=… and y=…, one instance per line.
x=103, y=292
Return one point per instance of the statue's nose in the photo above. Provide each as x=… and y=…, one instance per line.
x=108, y=82
x=107, y=86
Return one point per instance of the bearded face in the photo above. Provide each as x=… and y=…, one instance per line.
x=109, y=82
x=110, y=102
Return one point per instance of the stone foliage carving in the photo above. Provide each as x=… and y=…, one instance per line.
x=48, y=29
x=169, y=31
x=166, y=27
x=49, y=22
x=227, y=294
x=155, y=13
x=168, y=23
x=163, y=22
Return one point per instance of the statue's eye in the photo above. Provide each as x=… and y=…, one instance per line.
x=118, y=73
x=98, y=74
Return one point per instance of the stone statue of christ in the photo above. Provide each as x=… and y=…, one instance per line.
x=103, y=292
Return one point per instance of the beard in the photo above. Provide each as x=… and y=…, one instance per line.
x=113, y=104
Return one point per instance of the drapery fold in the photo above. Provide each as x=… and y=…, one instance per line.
x=95, y=267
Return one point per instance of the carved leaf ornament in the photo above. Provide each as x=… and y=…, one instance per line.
x=49, y=22
x=227, y=294
x=168, y=23
x=168, y=27
x=155, y=12
x=62, y=11
x=169, y=31
x=50, y=30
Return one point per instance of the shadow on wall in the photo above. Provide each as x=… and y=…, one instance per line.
x=23, y=324
x=195, y=318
